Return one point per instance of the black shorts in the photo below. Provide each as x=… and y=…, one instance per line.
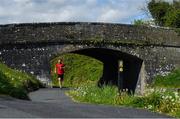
x=61, y=76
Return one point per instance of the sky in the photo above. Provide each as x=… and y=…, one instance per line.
x=110, y=11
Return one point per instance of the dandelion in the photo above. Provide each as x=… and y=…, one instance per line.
x=176, y=95
x=149, y=106
x=163, y=90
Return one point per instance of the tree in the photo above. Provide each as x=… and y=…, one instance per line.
x=176, y=4
x=173, y=19
x=165, y=13
x=158, y=10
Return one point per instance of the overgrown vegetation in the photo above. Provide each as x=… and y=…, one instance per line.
x=157, y=100
x=16, y=83
x=79, y=70
x=172, y=80
x=141, y=22
x=165, y=13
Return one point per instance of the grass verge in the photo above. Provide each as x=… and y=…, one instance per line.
x=162, y=101
x=16, y=83
x=172, y=80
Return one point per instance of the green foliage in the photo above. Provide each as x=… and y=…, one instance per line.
x=4, y=83
x=176, y=4
x=173, y=18
x=92, y=93
x=177, y=30
x=165, y=13
x=151, y=101
x=16, y=83
x=172, y=80
x=79, y=70
x=162, y=101
x=139, y=22
x=158, y=10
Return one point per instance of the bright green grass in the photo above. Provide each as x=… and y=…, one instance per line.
x=157, y=101
x=16, y=83
x=172, y=80
x=93, y=94
x=79, y=70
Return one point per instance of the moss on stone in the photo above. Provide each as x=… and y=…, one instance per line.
x=177, y=30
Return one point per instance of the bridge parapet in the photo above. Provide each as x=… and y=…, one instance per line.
x=87, y=33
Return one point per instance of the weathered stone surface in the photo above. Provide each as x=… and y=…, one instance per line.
x=81, y=32
x=30, y=47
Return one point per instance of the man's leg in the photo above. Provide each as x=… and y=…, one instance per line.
x=60, y=85
x=61, y=82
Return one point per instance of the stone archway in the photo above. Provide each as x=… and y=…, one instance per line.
x=110, y=59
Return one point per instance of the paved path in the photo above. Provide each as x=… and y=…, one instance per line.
x=47, y=103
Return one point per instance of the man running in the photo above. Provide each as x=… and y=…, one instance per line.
x=59, y=70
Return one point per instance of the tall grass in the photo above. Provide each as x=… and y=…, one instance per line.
x=92, y=93
x=16, y=83
x=162, y=101
x=172, y=80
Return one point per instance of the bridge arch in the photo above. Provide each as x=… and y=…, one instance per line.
x=110, y=59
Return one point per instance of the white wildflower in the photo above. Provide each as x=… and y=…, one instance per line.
x=23, y=64
x=149, y=106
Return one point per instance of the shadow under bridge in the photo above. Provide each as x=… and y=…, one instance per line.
x=125, y=79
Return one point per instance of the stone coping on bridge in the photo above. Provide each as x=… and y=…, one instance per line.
x=87, y=33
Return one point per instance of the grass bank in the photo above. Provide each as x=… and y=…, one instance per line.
x=16, y=83
x=172, y=80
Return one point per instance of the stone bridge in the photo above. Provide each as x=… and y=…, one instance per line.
x=144, y=51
